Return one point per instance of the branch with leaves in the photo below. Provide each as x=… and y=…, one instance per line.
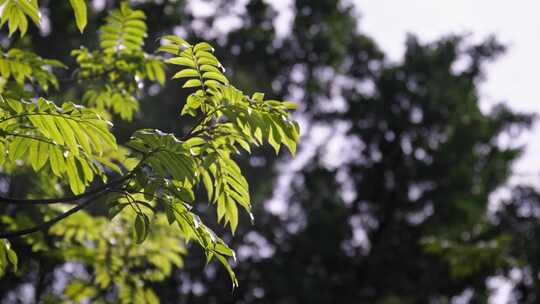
x=73, y=144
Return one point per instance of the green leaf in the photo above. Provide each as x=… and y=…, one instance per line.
x=192, y=83
x=43, y=155
x=13, y=22
x=203, y=46
x=80, y=136
x=216, y=76
x=7, y=255
x=274, y=138
x=30, y=8
x=57, y=162
x=229, y=269
x=232, y=215
x=158, y=71
x=171, y=49
x=176, y=40
x=23, y=24
x=182, y=61
x=18, y=148
x=208, y=184
x=67, y=134
x=185, y=194
x=12, y=257
x=186, y=73
x=141, y=227
x=79, y=9
x=116, y=209
x=3, y=257
x=75, y=181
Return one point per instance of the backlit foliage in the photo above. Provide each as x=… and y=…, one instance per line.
x=147, y=185
x=114, y=73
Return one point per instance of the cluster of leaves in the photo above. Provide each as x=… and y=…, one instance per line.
x=471, y=253
x=114, y=74
x=230, y=121
x=17, y=12
x=116, y=260
x=69, y=141
x=18, y=66
x=70, y=144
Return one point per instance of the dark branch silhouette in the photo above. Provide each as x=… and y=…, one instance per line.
x=45, y=225
x=67, y=199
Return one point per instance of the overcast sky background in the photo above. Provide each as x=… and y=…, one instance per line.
x=512, y=79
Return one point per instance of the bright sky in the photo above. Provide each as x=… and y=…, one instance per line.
x=512, y=79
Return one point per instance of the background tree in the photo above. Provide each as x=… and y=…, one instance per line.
x=417, y=164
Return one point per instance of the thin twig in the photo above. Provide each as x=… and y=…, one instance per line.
x=48, y=201
x=199, y=123
x=47, y=224
x=102, y=188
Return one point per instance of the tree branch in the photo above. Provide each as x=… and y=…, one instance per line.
x=48, y=201
x=192, y=132
x=97, y=190
x=92, y=195
x=47, y=224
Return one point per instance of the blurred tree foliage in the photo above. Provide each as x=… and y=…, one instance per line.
x=392, y=208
